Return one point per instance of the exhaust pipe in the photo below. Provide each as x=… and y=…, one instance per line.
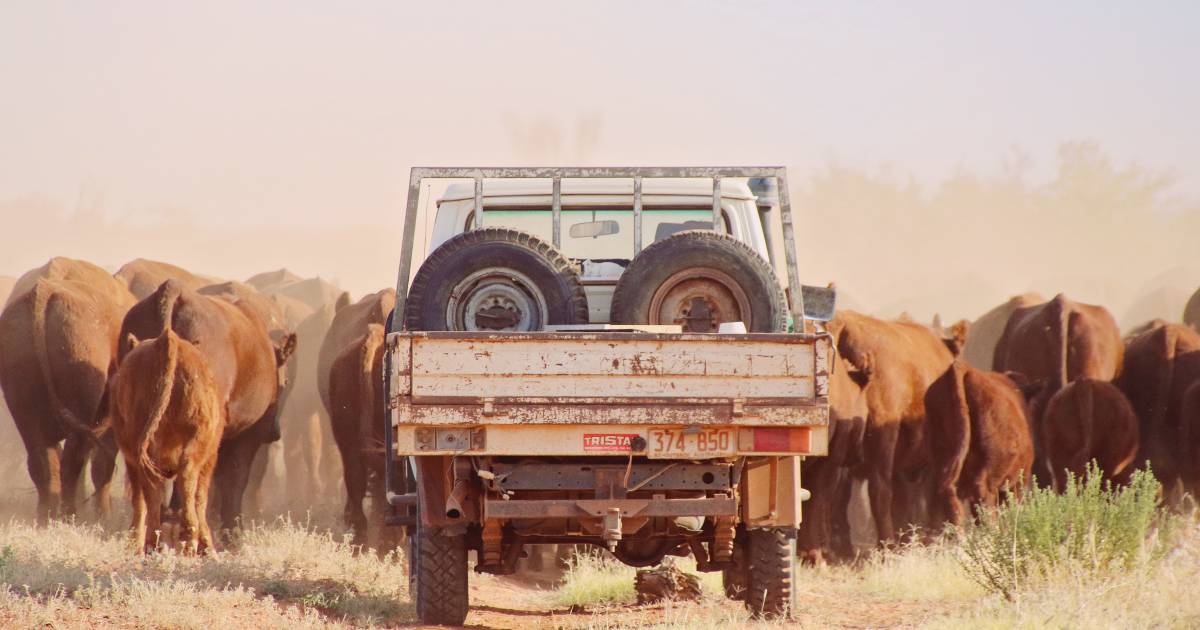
x=457, y=495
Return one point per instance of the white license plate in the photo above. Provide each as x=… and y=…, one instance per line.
x=677, y=443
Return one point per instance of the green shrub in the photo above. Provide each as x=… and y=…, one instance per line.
x=1091, y=526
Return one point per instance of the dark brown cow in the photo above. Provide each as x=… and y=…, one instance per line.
x=357, y=401
x=248, y=368
x=979, y=435
x=59, y=337
x=825, y=531
x=1190, y=439
x=1160, y=364
x=168, y=417
x=143, y=277
x=349, y=324
x=980, y=349
x=1053, y=344
x=896, y=361
x=1060, y=341
x=1089, y=420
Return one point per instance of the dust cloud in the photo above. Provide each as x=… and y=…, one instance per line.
x=1100, y=230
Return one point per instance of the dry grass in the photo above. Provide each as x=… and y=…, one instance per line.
x=295, y=576
x=283, y=575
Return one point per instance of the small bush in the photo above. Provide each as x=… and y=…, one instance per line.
x=1091, y=526
x=594, y=578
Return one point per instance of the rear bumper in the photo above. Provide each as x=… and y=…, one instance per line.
x=558, y=440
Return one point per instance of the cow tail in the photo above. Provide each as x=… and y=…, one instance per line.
x=41, y=295
x=165, y=385
x=1064, y=334
x=168, y=295
x=1085, y=401
x=366, y=383
x=960, y=442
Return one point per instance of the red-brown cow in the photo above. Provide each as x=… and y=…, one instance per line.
x=59, y=333
x=168, y=417
x=1161, y=363
x=825, y=531
x=979, y=435
x=1089, y=420
x=980, y=349
x=896, y=361
x=249, y=371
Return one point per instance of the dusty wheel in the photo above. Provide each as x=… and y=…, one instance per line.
x=438, y=577
x=495, y=279
x=700, y=279
x=736, y=579
x=771, y=589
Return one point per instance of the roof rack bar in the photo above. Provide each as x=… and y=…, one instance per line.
x=795, y=294
x=410, y=229
x=478, y=201
x=637, y=215
x=597, y=172
x=556, y=208
x=718, y=221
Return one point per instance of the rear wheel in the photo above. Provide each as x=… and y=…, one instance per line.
x=771, y=577
x=438, y=577
x=495, y=279
x=700, y=279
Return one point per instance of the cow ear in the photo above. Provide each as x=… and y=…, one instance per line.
x=343, y=301
x=958, y=332
x=131, y=342
x=284, y=348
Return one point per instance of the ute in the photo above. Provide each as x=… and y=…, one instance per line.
x=620, y=357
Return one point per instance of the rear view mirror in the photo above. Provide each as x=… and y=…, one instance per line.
x=592, y=229
x=819, y=302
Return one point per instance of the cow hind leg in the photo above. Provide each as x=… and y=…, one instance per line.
x=104, y=463
x=44, y=470
x=232, y=476
x=75, y=453
x=188, y=484
x=205, y=538
x=882, y=446
x=138, y=500
x=356, y=489
x=152, y=493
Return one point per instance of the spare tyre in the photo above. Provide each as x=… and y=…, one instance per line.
x=495, y=279
x=700, y=280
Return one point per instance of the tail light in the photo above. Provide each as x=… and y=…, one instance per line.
x=775, y=440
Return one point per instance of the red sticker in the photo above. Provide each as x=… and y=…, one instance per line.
x=608, y=441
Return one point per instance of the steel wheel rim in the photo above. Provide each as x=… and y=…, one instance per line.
x=497, y=299
x=677, y=300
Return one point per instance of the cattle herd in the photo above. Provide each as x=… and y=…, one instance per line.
x=188, y=378
x=941, y=422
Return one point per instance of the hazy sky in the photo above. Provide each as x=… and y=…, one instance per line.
x=309, y=113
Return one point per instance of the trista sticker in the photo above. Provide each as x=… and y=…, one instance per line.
x=608, y=441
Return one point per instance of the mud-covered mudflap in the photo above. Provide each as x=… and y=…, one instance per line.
x=771, y=493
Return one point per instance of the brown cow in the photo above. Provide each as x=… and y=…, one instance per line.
x=1089, y=420
x=249, y=370
x=1160, y=364
x=825, y=531
x=167, y=417
x=979, y=436
x=143, y=276
x=59, y=336
x=980, y=349
x=896, y=361
x=309, y=452
x=357, y=400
